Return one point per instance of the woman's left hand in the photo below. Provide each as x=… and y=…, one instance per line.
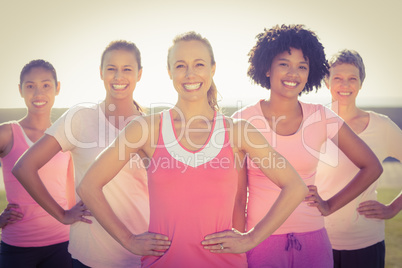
x=10, y=215
x=313, y=199
x=375, y=210
x=229, y=241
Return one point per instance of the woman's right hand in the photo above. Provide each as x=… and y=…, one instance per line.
x=313, y=199
x=149, y=244
x=229, y=241
x=77, y=213
x=10, y=215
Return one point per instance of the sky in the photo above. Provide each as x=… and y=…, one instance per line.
x=72, y=35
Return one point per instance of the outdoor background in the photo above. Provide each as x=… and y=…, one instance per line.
x=72, y=35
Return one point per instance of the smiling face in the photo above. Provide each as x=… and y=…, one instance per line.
x=39, y=90
x=344, y=83
x=120, y=74
x=288, y=73
x=191, y=70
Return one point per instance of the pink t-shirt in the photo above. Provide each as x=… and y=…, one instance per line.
x=302, y=150
x=192, y=195
x=37, y=228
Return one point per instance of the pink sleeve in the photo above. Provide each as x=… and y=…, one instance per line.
x=333, y=122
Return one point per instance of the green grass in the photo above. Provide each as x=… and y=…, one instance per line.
x=393, y=231
x=393, y=228
x=3, y=201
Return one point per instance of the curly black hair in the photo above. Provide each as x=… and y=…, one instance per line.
x=278, y=39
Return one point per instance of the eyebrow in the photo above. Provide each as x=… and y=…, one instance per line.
x=194, y=60
x=127, y=65
x=302, y=62
x=46, y=80
x=351, y=75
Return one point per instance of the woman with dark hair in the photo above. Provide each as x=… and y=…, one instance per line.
x=288, y=61
x=30, y=237
x=85, y=131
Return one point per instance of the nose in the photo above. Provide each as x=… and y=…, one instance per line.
x=39, y=90
x=293, y=71
x=189, y=72
x=345, y=83
x=117, y=74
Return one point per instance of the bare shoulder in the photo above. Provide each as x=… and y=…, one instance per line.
x=235, y=122
x=143, y=130
x=6, y=139
x=238, y=126
x=237, y=129
x=145, y=123
x=5, y=128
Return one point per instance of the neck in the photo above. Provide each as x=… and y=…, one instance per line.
x=282, y=106
x=125, y=108
x=345, y=111
x=191, y=110
x=120, y=110
x=36, y=121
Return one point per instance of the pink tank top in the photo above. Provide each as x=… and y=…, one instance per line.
x=37, y=228
x=192, y=195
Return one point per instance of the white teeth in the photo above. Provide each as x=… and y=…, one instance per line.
x=345, y=93
x=39, y=103
x=192, y=86
x=119, y=86
x=292, y=84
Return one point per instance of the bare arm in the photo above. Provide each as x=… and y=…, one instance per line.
x=239, y=211
x=26, y=171
x=375, y=210
x=103, y=170
x=392, y=143
x=70, y=185
x=396, y=204
x=362, y=156
x=10, y=214
x=6, y=139
x=293, y=192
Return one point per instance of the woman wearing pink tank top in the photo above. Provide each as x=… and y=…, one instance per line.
x=85, y=131
x=30, y=236
x=191, y=153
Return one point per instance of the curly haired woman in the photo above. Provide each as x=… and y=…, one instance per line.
x=289, y=61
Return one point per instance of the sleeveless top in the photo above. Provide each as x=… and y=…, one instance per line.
x=192, y=195
x=37, y=228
